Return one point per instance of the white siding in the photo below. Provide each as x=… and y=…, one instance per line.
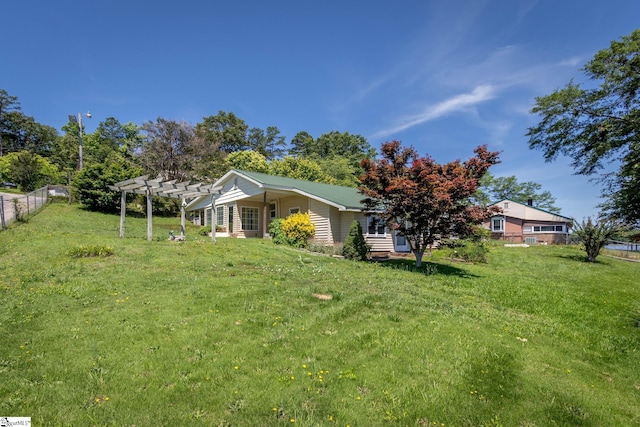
x=377, y=243
x=319, y=214
x=238, y=188
x=287, y=203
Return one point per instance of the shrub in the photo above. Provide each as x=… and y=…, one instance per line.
x=87, y=251
x=473, y=252
x=277, y=235
x=355, y=246
x=595, y=235
x=298, y=229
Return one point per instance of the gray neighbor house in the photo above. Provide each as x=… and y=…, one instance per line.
x=249, y=201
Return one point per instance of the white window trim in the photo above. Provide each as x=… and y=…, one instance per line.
x=275, y=211
x=376, y=234
x=533, y=230
x=502, y=224
x=294, y=209
x=220, y=210
x=257, y=219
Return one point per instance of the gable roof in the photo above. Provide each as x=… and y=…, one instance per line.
x=344, y=198
x=531, y=213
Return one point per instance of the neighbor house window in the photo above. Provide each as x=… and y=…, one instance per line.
x=548, y=228
x=294, y=210
x=506, y=205
x=375, y=226
x=249, y=217
x=272, y=211
x=497, y=224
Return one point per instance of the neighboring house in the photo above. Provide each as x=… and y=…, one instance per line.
x=249, y=201
x=525, y=224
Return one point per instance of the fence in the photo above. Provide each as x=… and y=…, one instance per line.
x=624, y=249
x=15, y=207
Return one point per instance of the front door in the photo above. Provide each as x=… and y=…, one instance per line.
x=400, y=243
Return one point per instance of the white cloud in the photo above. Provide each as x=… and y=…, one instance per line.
x=457, y=103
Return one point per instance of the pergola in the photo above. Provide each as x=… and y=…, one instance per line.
x=158, y=187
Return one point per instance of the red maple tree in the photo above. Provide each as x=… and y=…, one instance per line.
x=421, y=199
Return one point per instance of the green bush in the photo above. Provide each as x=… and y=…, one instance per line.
x=470, y=251
x=277, y=235
x=88, y=251
x=355, y=247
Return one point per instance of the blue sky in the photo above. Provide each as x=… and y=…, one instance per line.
x=443, y=76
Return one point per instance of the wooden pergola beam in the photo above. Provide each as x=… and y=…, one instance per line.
x=156, y=187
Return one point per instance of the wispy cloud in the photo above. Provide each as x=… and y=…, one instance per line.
x=457, y=103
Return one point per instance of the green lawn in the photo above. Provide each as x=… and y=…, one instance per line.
x=195, y=333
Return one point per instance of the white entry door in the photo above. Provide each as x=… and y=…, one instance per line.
x=400, y=243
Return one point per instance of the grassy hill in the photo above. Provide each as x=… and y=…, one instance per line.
x=233, y=333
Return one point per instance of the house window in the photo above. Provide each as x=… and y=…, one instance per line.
x=506, y=205
x=272, y=211
x=249, y=217
x=527, y=229
x=544, y=229
x=497, y=224
x=230, y=218
x=375, y=226
x=220, y=215
x=294, y=210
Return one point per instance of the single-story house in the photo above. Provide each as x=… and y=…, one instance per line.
x=523, y=223
x=249, y=201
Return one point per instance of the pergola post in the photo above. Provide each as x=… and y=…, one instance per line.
x=182, y=214
x=149, y=215
x=143, y=186
x=123, y=209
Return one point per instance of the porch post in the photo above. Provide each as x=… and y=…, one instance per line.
x=265, y=232
x=149, y=215
x=123, y=209
x=214, y=219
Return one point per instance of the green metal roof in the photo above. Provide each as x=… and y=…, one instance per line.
x=347, y=197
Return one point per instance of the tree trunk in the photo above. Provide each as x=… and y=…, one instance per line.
x=418, y=253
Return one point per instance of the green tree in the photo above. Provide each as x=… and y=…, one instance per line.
x=302, y=145
x=248, y=160
x=355, y=246
x=343, y=144
x=30, y=171
x=111, y=136
x=493, y=189
x=65, y=149
x=91, y=184
x=595, y=235
x=7, y=103
x=599, y=125
x=269, y=143
x=299, y=168
x=21, y=132
x=224, y=130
